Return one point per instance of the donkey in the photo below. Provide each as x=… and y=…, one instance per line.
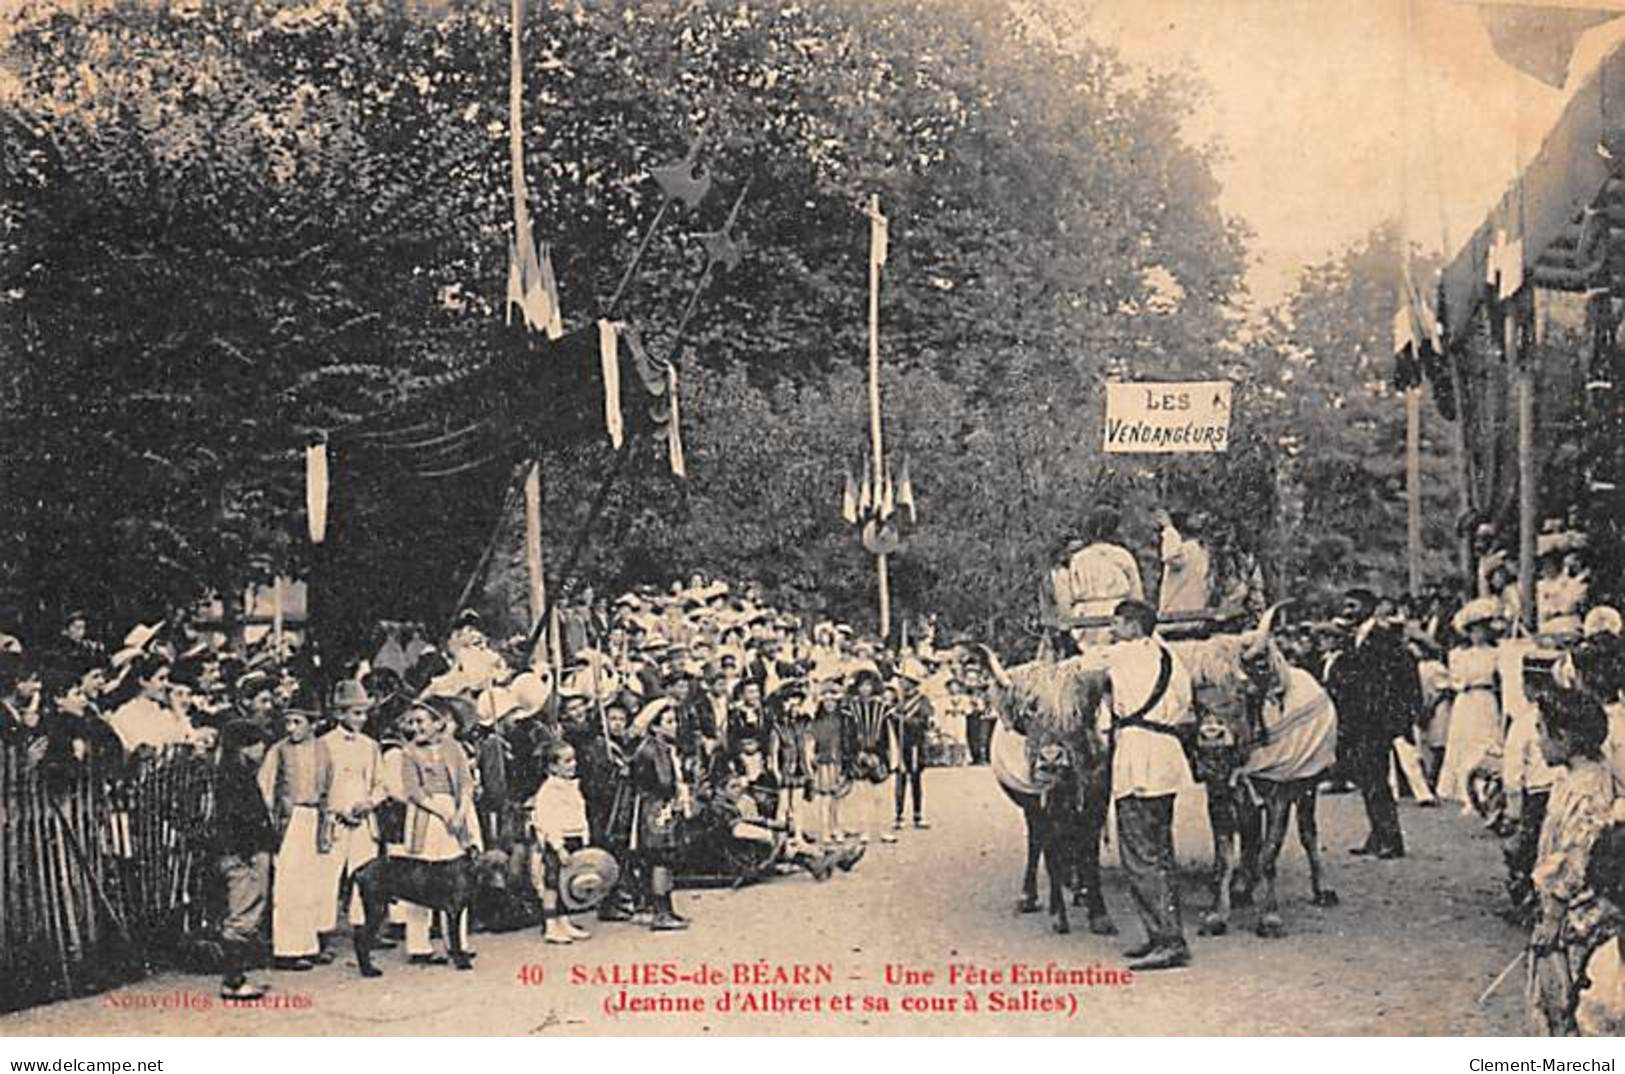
x=1267, y=734
x=1052, y=764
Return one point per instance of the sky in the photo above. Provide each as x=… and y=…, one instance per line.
x=1337, y=114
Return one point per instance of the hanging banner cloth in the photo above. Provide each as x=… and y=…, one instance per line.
x=544, y=395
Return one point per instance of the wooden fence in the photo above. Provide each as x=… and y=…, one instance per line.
x=102, y=869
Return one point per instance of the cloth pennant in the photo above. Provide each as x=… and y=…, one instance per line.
x=516, y=287
x=866, y=498
x=674, y=428
x=905, y=492
x=610, y=360
x=849, y=499
x=550, y=290
x=879, y=240
x=316, y=491
x=1404, y=327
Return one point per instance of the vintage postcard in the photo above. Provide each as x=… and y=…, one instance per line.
x=620, y=518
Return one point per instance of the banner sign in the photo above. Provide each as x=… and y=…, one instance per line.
x=1168, y=418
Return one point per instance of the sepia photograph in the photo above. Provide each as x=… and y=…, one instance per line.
x=812, y=518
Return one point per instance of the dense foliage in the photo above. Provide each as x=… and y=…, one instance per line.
x=225, y=226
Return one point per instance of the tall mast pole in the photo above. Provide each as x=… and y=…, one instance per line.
x=874, y=401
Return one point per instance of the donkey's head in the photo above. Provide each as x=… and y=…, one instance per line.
x=1230, y=704
x=1054, y=705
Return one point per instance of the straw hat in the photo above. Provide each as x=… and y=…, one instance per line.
x=650, y=713
x=350, y=694
x=135, y=643
x=1603, y=619
x=588, y=876
x=1479, y=610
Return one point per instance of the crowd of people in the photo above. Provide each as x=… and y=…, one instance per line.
x=687, y=736
x=1441, y=696
x=1447, y=699
x=696, y=735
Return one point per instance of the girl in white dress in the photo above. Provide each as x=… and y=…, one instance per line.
x=1475, y=714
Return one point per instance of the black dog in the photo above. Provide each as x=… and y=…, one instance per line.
x=446, y=886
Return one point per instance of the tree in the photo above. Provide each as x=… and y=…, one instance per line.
x=1327, y=360
x=325, y=185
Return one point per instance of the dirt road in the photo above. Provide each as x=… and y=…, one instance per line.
x=1408, y=951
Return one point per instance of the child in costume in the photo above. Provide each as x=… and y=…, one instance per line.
x=558, y=819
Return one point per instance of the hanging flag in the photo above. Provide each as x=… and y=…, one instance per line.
x=610, y=361
x=540, y=311
x=316, y=491
x=1504, y=267
x=516, y=287
x=536, y=299
x=1539, y=38
x=887, y=501
x=866, y=497
x=674, y=427
x=1404, y=327
x=849, y=499
x=550, y=288
x=905, y=492
x=878, y=241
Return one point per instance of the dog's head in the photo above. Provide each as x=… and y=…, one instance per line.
x=489, y=869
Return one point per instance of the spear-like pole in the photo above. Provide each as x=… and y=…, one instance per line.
x=877, y=254
x=714, y=254
x=681, y=175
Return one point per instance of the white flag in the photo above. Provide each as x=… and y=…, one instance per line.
x=610, y=360
x=316, y=491
x=674, y=427
x=877, y=234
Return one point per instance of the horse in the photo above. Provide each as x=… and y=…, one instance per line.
x=1051, y=763
x=1267, y=734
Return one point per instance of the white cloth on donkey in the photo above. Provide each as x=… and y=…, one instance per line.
x=1008, y=754
x=1300, y=729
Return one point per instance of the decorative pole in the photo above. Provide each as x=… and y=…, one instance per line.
x=1413, y=488
x=524, y=242
x=877, y=257
x=1520, y=314
x=877, y=510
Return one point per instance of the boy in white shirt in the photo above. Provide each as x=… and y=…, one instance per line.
x=558, y=817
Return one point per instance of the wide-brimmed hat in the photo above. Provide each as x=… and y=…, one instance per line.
x=913, y=669
x=350, y=694
x=1478, y=610
x=650, y=713
x=863, y=669
x=304, y=702
x=253, y=682
x=135, y=643
x=1603, y=619
x=531, y=689
x=588, y=876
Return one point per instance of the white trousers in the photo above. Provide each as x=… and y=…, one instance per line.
x=826, y=815
x=1408, y=764
x=301, y=901
x=419, y=920
x=352, y=848
x=871, y=807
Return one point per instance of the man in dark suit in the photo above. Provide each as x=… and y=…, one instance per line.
x=1374, y=682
